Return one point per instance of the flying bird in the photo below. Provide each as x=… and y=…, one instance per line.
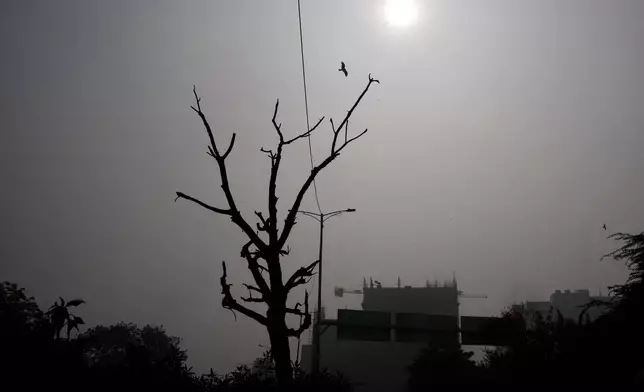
x=604, y=226
x=343, y=69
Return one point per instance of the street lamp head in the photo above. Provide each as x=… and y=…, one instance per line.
x=351, y=209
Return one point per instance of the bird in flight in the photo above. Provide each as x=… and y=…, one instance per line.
x=343, y=69
x=604, y=226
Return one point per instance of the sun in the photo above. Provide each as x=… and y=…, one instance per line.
x=401, y=13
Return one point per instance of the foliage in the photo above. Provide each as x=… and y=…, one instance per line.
x=124, y=353
x=117, y=357
x=550, y=349
x=59, y=316
x=437, y=366
x=628, y=297
x=19, y=313
x=261, y=376
x=29, y=347
x=545, y=351
x=550, y=345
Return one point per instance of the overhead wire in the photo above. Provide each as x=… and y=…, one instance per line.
x=308, y=127
x=306, y=104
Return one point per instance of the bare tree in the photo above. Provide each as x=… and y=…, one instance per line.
x=263, y=255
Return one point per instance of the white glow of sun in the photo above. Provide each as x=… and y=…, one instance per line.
x=401, y=13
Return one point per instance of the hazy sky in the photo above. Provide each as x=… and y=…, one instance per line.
x=503, y=135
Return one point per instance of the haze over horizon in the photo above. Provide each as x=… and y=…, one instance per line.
x=502, y=137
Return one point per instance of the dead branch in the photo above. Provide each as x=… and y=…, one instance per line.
x=232, y=211
x=228, y=302
x=214, y=151
x=204, y=205
x=305, y=134
x=307, y=318
x=276, y=158
x=230, y=147
x=295, y=310
x=253, y=265
x=252, y=288
x=290, y=218
x=250, y=297
x=278, y=128
x=272, y=184
x=263, y=226
x=301, y=276
x=346, y=131
x=270, y=154
x=285, y=252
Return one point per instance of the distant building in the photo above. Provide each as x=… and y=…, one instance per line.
x=373, y=347
x=569, y=303
x=431, y=299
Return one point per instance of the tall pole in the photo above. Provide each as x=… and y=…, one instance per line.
x=316, y=326
x=320, y=217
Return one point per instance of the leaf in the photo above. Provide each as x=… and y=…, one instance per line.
x=62, y=301
x=75, y=302
x=79, y=320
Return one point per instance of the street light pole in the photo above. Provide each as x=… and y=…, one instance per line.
x=320, y=217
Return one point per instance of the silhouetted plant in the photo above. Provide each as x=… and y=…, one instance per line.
x=629, y=296
x=19, y=313
x=28, y=346
x=126, y=345
x=549, y=345
x=441, y=366
x=60, y=316
x=271, y=290
x=124, y=355
x=599, y=352
x=260, y=376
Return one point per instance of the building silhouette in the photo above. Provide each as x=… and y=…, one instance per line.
x=569, y=304
x=374, y=346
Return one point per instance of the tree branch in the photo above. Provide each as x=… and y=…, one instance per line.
x=295, y=311
x=276, y=159
x=263, y=226
x=305, y=134
x=228, y=302
x=307, y=318
x=349, y=141
x=230, y=147
x=254, y=267
x=181, y=195
x=252, y=299
x=290, y=218
x=252, y=288
x=250, y=294
x=234, y=213
x=277, y=127
x=346, y=131
x=300, y=276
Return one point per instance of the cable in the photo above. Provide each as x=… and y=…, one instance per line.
x=306, y=104
x=308, y=127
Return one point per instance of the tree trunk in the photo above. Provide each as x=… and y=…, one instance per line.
x=280, y=349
